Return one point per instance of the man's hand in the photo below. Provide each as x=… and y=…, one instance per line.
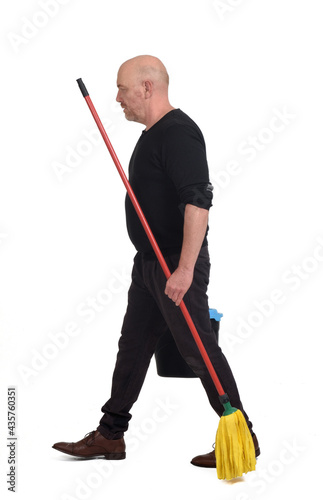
x=178, y=284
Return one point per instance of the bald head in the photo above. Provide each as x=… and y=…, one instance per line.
x=143, y=68
x=143, y=89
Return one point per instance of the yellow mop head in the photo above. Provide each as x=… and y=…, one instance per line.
x=234, y=447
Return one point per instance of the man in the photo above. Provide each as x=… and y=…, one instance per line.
x=169, y=175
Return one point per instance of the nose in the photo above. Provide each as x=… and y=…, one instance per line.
x=118, y=99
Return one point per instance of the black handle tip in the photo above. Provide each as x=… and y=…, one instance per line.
x=82, y=87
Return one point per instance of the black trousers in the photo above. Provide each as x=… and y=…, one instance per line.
x=149, y=313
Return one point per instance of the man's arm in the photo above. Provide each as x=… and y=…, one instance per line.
x=195, y=225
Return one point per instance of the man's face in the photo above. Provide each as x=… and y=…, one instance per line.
x=130, y=94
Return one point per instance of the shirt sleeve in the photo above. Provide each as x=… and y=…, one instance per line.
x=184, y=159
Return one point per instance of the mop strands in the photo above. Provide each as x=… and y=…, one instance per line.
x=234, y=449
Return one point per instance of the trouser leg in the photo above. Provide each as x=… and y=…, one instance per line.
x=142, y=326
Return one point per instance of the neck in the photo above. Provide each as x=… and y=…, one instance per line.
x=156, y=115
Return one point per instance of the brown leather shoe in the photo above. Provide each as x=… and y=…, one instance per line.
x=94, y=445
x=208, y=460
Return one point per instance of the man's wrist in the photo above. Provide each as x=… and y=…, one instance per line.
x=187, y=267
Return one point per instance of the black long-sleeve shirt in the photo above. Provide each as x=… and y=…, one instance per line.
x=167, y=170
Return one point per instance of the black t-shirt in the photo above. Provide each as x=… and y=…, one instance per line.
x=167, y=170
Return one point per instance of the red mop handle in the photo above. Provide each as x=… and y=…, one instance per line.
x=150, y=237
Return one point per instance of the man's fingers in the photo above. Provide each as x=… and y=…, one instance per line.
x=175, y=295
x=179, y=299
x=172, y=294
x=177, y=285
x=170, y=290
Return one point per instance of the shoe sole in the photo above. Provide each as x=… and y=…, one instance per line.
x=107, y=456
x=214, y=466
x=115, y=456
x=204, y=466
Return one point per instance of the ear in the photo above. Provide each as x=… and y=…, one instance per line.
x=148, y=88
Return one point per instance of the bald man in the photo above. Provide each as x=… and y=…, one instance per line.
x=169, y=175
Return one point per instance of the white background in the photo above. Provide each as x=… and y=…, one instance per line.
x=232, y=65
